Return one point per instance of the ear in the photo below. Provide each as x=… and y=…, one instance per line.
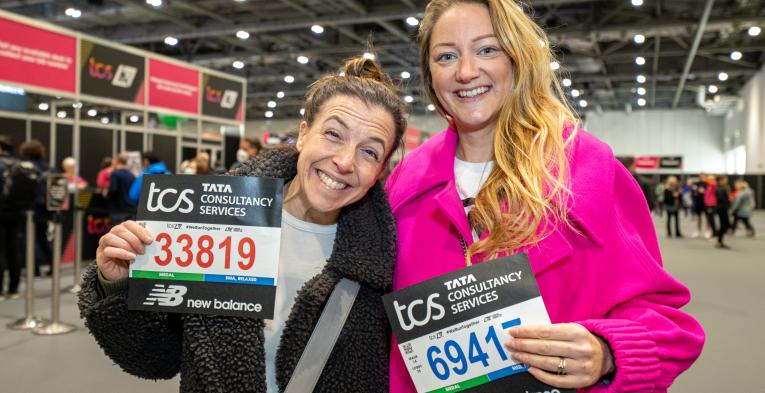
x=301, y=135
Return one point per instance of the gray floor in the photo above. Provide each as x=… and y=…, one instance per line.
x=728, y=289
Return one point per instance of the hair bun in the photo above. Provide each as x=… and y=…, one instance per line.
x=362, y=67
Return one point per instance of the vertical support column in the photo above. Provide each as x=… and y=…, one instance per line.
x=52, y=151
x=29, y=321
x=56, y=326
x=77, y=207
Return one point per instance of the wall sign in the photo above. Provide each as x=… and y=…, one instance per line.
x=222, y=97
x=111, y=73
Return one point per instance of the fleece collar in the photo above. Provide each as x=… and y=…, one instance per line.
x=365, y=244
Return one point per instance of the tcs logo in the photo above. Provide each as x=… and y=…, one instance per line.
x=430, y=306
x=153, y=205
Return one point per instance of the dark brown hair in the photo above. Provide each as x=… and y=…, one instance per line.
x=32, y=150
x=364, y=79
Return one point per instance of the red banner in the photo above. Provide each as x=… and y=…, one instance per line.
x=173, y=87
x=647, y=162
x=412, y=138
x=37, y=57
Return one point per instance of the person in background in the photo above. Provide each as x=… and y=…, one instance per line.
x=514, y=173
x=722, y=196
x=75, y=182
x=10, y=222
x=686, y=194
x=699, y=188
x=202, y=163
x=742, y=207
x=671, y=203
x=251, y=145
x=241, y=157
x=34, y=151
x=659, y=193
x=710, y=205
x=153, y=166
x=103, y=176
x=120, y=181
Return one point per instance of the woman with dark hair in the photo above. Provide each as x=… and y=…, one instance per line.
x=336, y=223
x=34, y=151
x=514, y=173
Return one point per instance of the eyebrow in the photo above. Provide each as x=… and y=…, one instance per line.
x=342, y=123
x=492, y=35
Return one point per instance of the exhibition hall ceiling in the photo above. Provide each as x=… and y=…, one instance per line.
x=612, y=54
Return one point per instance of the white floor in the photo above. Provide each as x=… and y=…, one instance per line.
x=728, y=289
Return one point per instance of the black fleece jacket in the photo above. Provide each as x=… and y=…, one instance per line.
x=225, y=354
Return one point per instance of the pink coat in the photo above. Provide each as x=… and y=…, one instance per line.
x=608, y=277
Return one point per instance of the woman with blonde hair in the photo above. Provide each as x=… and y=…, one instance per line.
x=672, y=203
x=513, y=173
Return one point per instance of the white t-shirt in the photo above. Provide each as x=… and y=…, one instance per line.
x=469, y=178
x=304, y=251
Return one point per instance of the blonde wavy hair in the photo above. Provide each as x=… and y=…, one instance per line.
x=527, y=193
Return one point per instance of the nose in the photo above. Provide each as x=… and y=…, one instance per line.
x=344, y=159
x=467, y=70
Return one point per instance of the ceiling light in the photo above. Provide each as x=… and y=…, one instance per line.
x=272, y=104
x=43, y=106
x=92, y=112
x=289, y=78
x=280, y=94
x=238, y=64
x=302, y=111
x=722, y=76
x=302, y=60
x=554, y=65
x=316, y=29
x=639, y=38
x=754, y=31
x=641, y=102
x=431, y=107
x=712, y=89
x=641, y=91
x=736, y=55
x=640, y=79
x=242, y=35
x=412, y=21
x=269, y=114
x=172, y=41
x=583, y=103
x=566, y=82
x=369, y=56
x=408, y=98
x=405, y=75
x=575, y=93
x=716, y=98
x=73, y=12
x=104, y=120
x=640, y=60
x=61, y=114
x=77, y=105
x=134, y=118
x=637, y=3
x=154, y=3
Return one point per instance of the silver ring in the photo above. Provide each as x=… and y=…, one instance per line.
x=562, y=366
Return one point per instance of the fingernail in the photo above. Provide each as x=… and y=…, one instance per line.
x=513, y=331
x=510, y=343
x=147, y=239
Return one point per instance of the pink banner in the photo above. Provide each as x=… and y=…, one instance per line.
x=647, y=162
x=37, y=57
x=173, y=87
x=412, y=138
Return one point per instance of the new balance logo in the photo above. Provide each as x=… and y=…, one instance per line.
x=169, y=297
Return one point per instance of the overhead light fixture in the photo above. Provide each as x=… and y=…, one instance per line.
x=736, y=55
x=134, y=118
x=302, y=60
x=639, y=38
x=289, y=78
x=575, y=93
x=409, y=99
x=61, y=114
x=92, y=112
x=271, y=104
x=566, y=82
x=640, y=60
x=77, y=105
x=431, y=107
x=242, y=35
x=104, y=120
x=238, y=64
x=754, y=31
x=641, y=102
x=73, y=12
x=554, y=66
x=640, y=79
x=369, y=56
x=723, y=76
x=154, y=3
x=405, y=75
x=583, y=103
x=317, y=29
x=280, y=94
x=269, y=114
x=412, y=21
x=43, y=106
x=716, y=98
x=302, y=111
x=641, y=91
x=637, y=3
x=170, y=40
x=712, y=89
